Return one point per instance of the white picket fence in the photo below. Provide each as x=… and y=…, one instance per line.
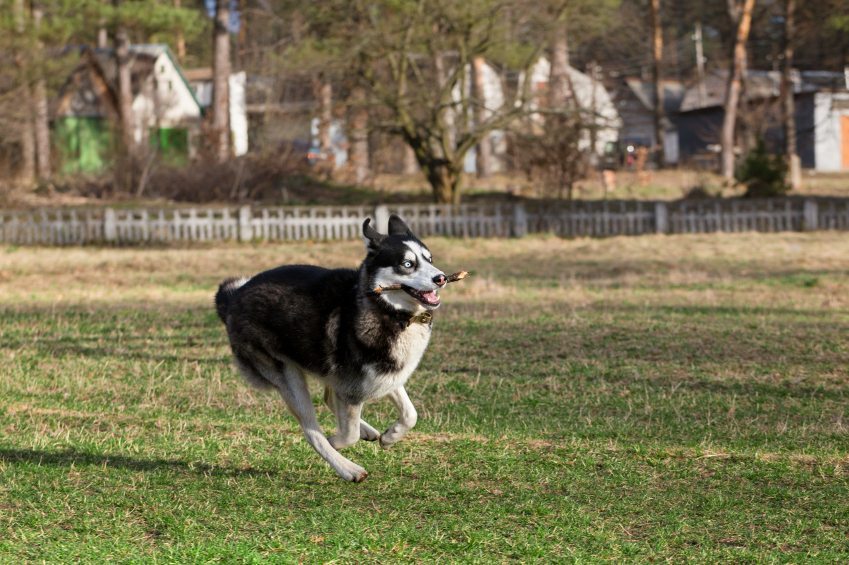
x=510, y=219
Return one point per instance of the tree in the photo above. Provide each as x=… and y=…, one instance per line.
x=742, y=14
x=657, y=61
x=358, y=132
x=788, y=106
x=414, y=60
x=483, y=153
x=220, y=81
x=39, y=93
x=24, y=119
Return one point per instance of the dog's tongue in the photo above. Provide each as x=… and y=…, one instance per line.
x=430, y=297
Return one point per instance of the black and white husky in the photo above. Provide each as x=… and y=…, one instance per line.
x=299, y=320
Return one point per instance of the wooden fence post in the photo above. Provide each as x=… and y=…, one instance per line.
x=661, y=217
x=381, y=218
x=520, y=220
x=110, y=225
x=245, y=228
x=810, y=221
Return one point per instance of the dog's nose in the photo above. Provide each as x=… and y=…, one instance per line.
x=440, y=279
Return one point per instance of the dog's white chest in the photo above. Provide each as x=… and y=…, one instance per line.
x=407, y=351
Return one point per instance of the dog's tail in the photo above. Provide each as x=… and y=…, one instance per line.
x=225, y=293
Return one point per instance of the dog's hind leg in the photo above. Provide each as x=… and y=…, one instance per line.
x=407, y=417
x=293, y=388
x=367, y=432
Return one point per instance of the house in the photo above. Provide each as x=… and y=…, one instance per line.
x=591, y=96
x=166, y=112
x=822, y=117
x=634, y=99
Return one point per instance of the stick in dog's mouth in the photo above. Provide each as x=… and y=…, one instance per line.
x=450, y=278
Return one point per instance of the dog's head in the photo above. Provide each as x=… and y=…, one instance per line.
x=400, y=258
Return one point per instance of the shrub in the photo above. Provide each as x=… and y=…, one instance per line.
x=763, y=174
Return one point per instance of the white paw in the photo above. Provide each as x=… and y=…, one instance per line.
x=341, y=442
x=368, y=433
x=353, y=473
x=387, y=440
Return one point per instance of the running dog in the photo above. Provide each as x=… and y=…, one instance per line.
x=340, y=326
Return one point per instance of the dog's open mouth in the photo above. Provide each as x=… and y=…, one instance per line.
x=426, y=297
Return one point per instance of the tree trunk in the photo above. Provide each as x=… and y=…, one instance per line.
x=25, y=127
x=220, y=81
x=732, y=92
x=448, y=113
x=558, y=74
x=359, y=135
x=788, y=106
x=444, y=181
x=27, y=133
x=411, y=167
x=657, y=60
x=483, y=155
x=42, y=118
x=125, y=88
x=180, y=40
x=102, y=38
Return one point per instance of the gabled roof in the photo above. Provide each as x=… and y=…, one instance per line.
x=758, y=86
x=673, y=93
x=102, y=65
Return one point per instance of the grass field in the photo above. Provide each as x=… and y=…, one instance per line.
x=652, y=398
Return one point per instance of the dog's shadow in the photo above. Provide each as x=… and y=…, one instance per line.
x=70, y=457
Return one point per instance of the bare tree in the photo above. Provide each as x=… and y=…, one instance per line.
x=220, y=81
x=414, y=59
x=788, y=106
x=657, y=61
x=742, y=14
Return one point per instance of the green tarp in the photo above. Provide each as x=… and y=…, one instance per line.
x=85, y=144
x=173, y=144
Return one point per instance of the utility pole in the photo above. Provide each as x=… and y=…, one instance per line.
x=700, y=63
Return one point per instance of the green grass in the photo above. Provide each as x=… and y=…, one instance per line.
x=656, y=398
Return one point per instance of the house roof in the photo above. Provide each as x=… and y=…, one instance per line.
x=758, y=85
x=102, y=62
x=673, y=93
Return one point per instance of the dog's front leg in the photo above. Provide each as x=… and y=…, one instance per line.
x=367, y=432
x=347, y=421
x=407, y=417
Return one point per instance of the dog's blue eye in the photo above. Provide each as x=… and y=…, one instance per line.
x=408, y=264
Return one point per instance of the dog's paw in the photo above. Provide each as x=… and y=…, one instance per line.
x=388, y=440
x=368, y=433
x=355, y=474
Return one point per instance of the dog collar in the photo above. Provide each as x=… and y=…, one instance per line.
x=424, y=318
x=405, y=320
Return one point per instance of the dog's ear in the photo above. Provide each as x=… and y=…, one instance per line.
x=398, y=227
x=373, y=237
